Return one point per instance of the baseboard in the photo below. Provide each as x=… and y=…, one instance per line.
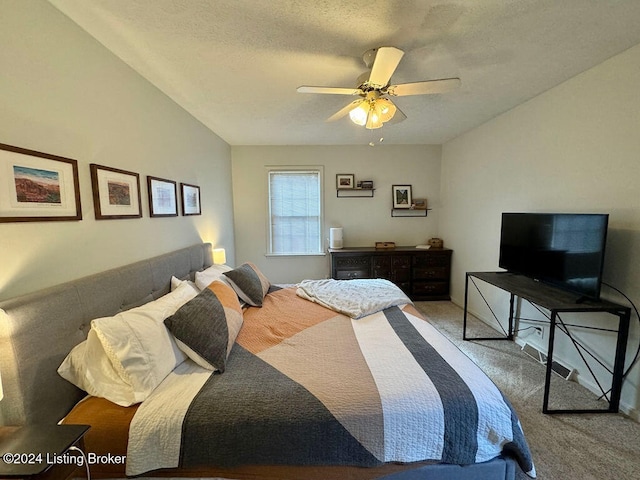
x=588, y=383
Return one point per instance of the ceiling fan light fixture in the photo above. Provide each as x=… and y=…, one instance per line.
x=359, y=114
x=374, y=120
x=387, y=109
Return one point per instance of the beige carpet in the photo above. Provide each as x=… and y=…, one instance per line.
x=564, y=446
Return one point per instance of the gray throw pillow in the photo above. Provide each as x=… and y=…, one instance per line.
x=206, y=327
x=249, y=283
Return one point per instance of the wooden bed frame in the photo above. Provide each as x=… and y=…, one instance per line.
x=38, y=330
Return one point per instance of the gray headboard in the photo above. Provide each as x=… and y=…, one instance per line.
x=38, y=330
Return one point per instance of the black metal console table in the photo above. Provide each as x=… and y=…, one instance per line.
x=555, y=301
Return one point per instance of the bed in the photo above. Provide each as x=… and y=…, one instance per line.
x=301, y=391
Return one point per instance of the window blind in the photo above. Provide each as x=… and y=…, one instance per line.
x=295, y=212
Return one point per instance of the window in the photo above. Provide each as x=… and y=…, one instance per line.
x=295, y=212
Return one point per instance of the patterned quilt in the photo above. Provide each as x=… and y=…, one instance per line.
x=305, y=385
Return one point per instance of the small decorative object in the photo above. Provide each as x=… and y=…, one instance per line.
x=116, y=193
x=335, y=238
x=435, y=242
x=345, y=180
x=162, y=197
x=401, y=196
x=38, y=187
x=367, y=184
x=383, y=245
x=419, y=204
x=190, y=199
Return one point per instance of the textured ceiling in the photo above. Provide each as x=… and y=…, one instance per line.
x=235, y=64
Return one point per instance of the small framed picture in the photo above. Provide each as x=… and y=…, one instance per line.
x=116, y=193
x=37, y=187
x=162, y=197
x=190, y=197
x=401, y=196
x=345, y=180
x=367, y=184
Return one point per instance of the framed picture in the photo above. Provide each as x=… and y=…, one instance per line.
x=401, y=196
x=162, y=197
x=116, y=193
x=345, y=180
x=37, y=187
x=190, y=196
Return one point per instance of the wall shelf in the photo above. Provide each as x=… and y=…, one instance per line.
x=409, y=212
x=355, y=192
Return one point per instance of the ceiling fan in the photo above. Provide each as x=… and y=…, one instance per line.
x=374, y=108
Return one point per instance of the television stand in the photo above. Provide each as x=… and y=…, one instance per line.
x=555, y=301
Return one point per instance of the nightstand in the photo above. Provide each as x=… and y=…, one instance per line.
x=40, y=452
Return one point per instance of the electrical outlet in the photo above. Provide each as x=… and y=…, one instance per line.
x=539, y=332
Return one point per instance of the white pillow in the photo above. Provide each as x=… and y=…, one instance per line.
x=176, y=282
x=126, y=356
x=214, y=272
x=88, y=367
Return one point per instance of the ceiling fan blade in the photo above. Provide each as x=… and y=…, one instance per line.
x=423, y=88
x=329, y=90
x=345, y=110
x=385, y=63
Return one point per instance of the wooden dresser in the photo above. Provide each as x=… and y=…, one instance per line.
x=422, y=274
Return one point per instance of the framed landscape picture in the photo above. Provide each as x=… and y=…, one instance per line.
x=401, y=196
x=345, y=180
x=162, y=197
x=190, y=197
x=37, y=187
x=116, y=193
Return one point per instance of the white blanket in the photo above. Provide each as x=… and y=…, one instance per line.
x=154, y=434
x=354, y=298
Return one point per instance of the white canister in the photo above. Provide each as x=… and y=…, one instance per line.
x=335, y=237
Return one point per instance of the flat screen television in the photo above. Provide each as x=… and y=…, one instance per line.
x=562, y=249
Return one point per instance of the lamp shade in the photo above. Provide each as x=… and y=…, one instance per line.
x=387, y=109
x=359, y=114
x=374, y=120
x=219, y=256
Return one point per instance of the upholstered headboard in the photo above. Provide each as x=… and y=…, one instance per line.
x=38, y=330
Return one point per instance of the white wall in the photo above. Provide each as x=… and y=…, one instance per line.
x=574, y=148
x=365, y=220
x=62, y=93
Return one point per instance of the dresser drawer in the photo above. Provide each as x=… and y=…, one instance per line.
x=430, y=273
x=355, y=262
x=382, y=261
x=439, y=259
x=351, y=274
x=430, y=288
x=401, y=261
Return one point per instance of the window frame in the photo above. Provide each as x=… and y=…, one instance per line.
x=317, y=169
